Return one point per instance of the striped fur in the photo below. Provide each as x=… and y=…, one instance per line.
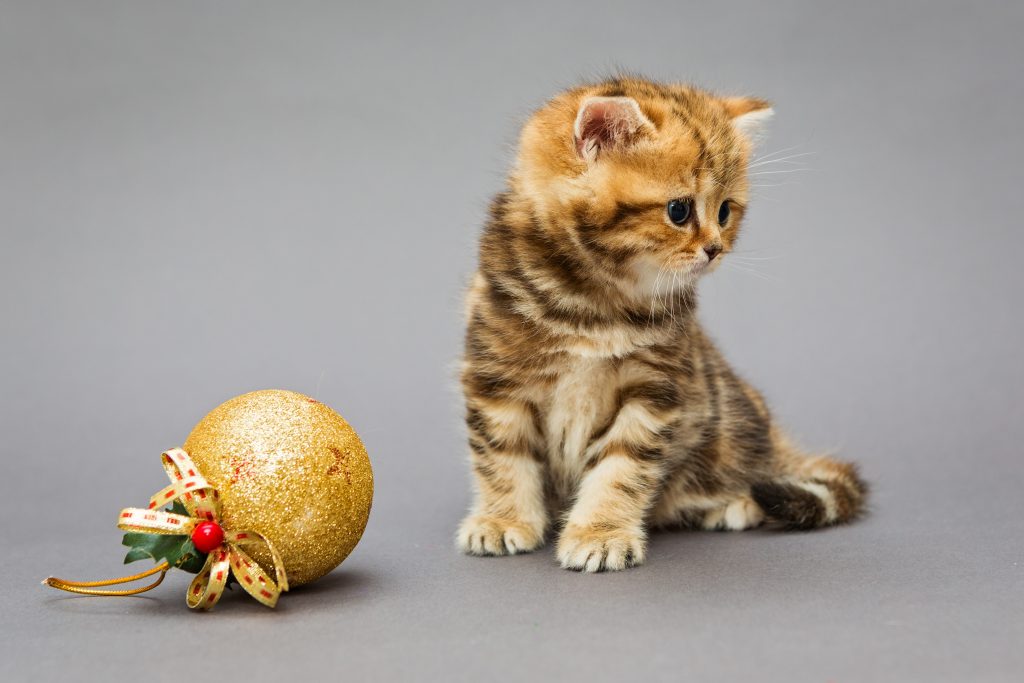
x=593, y=396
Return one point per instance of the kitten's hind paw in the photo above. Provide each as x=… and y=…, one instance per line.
x=597, y=550
x=487, y=535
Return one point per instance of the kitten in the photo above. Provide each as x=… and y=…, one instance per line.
x=590, y=385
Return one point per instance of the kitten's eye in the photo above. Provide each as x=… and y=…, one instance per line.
x=723, y=213
x=679, y=211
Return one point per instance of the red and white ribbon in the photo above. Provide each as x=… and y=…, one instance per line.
x=203, y=505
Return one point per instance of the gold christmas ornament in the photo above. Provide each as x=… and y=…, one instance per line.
x=292, y=469
x=275, y=472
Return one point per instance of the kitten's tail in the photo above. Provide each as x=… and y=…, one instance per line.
x=811, y=491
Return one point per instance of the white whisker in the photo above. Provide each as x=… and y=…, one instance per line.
x=751, y=271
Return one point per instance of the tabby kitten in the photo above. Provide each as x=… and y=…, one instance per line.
x=591, y=389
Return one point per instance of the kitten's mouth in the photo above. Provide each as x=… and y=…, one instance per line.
x=700, y=266
x=656, y=277
x=692, y=267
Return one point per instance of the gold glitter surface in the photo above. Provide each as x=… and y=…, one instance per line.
x=292, y=469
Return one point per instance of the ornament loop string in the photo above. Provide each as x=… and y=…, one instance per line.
x=89, y=587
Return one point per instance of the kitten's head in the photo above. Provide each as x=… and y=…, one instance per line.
x=648, y=179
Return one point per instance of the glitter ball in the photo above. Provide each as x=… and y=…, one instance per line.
x=292, y=469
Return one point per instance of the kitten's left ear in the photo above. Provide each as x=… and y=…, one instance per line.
x=607, y=123
x=750, y=115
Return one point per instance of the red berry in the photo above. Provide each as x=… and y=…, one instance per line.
x=207, y=536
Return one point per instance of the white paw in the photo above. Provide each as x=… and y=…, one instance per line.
x=595, y=550
x=486, y=535
x=738, y=515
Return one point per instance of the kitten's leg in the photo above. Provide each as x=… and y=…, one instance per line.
x=509, y=513
x=683, y=504
x=605, y=529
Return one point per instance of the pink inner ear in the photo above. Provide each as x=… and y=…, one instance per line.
x=604, y=122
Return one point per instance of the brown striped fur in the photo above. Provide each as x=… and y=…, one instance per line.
x=591, y=389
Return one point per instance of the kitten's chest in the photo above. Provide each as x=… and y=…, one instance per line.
x=581, y=402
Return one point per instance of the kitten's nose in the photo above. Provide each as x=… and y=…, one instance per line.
x=713, y=250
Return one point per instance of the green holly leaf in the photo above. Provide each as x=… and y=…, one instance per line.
x=178, y=508
x=136, y=554
x=192, y=560
x=158, y=547
x=176, y=549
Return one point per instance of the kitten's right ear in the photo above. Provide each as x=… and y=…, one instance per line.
x=750, y=115
x=606, y=123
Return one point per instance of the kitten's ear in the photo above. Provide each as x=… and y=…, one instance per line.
x=750, y=115
x=606, y=123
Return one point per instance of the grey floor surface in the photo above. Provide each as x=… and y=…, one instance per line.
x=198, y=200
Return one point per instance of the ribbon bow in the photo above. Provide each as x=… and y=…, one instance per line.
x=203, y=505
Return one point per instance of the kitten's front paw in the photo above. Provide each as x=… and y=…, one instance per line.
x=487, y=535
x=594, y=550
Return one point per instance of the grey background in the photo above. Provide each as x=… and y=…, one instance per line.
x=202, y=199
